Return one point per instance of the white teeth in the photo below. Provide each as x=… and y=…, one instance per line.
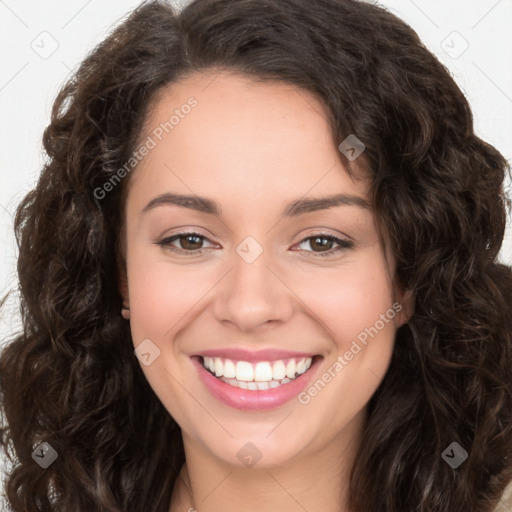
x=260, y=376
x=254, y=386
x=218, y=367
x=290, y=369
x=278, y=370
x=244, y=371
x=263, y=372
x=229, y=369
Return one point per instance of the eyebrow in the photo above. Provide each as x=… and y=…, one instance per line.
x=293, y=209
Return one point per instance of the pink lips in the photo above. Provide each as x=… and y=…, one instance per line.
x=248, y=400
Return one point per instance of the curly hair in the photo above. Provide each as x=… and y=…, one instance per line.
x=70, y=377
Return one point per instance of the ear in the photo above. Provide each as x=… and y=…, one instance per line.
x=122, y=279
x=403, y=306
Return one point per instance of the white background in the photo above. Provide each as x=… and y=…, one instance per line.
x=29, y=83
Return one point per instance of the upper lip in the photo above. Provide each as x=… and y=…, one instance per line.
x=239, y=354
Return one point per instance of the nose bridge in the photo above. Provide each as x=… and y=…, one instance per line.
x=251, y=294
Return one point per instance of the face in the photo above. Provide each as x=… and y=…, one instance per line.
x=288, y=299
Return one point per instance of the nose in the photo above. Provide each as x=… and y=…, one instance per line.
x=252, y=295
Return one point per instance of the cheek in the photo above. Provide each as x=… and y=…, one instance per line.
x=355, y=306
x=162, y=295
x=161, y=300
x=350, y=299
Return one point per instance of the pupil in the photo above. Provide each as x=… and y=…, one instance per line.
x=323, y=244
x=191, y=245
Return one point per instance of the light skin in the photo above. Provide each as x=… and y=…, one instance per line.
x=254, y=148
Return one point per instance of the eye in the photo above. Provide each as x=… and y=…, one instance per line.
x=325, y=244
x=190, y=243
x=187, y=243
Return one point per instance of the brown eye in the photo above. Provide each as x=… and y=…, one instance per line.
x=184, y=243
x=321, y=242
x=325, y=245
x=190, y=242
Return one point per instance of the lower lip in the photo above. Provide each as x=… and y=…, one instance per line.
x=248, y=400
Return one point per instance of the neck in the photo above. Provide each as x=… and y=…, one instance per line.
x=316, y=481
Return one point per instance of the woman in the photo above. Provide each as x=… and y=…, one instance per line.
x=259, y=271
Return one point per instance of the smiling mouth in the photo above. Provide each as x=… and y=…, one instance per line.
x=259, y=376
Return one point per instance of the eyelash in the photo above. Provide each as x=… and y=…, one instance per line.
x=342, y=244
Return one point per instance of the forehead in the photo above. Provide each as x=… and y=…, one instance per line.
x=243, y=139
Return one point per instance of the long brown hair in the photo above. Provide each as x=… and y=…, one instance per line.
x=70, y=379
